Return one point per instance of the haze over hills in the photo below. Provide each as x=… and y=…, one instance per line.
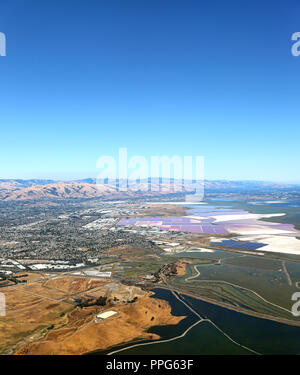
x=19, y=189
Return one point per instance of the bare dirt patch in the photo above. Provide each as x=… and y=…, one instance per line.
x=181, y=267
x=164, y=210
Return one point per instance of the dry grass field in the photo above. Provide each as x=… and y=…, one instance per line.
x=82, y=334
x=34, y=307
x=42, y=316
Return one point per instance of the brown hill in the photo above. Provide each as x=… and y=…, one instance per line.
x=59, y=190
x=65, y=190
x=47, y=189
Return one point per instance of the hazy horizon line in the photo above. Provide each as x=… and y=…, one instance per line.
x=76, y=179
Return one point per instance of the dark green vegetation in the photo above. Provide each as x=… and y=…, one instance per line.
x=135, y=269
x=101, y=301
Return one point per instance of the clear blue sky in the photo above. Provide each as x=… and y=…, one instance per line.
x=160, y=77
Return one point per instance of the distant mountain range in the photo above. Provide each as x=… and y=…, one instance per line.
x=18, y=189
x=45, y=189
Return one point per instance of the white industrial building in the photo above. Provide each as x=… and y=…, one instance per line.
x=106, y=314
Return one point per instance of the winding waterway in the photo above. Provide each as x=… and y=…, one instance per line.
x=212, y=329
